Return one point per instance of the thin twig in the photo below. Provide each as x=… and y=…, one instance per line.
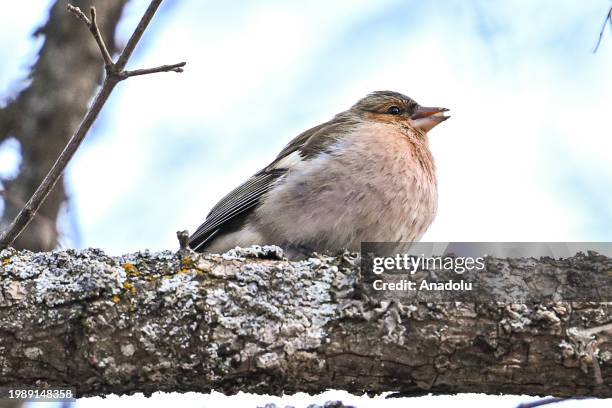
x=546, y=401
x=603, y=28
x=79, y=14
x=114, y=74
x=108, y=61
x=95, y=31
x=164, y=68
x=137, y=34
x=117, y=69
x=19, y=203
x=183, y=238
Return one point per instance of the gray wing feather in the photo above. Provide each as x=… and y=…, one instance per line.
x=236, y=204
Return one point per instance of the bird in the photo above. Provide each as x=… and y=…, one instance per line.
x=366, y=175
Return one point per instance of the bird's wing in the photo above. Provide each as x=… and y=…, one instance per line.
x=233, y=209
x=319, y=138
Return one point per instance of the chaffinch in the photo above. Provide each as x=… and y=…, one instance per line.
x=365, y=175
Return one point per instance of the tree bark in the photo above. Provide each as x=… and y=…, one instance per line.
x=252, y=321
x=44, y=115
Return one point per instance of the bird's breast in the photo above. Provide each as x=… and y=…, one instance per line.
x=398, y=170
x=375, y=184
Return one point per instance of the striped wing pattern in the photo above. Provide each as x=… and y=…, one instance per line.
x=236, y=205
x=233, y=209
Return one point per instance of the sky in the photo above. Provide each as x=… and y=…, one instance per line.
x=524, y=157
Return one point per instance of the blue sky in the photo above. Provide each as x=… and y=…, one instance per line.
x=524, y=157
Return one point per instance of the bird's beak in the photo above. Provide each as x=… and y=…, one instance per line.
x=427, y=118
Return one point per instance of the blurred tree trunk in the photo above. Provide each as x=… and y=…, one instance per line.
x=6, y=403
x=44, y=115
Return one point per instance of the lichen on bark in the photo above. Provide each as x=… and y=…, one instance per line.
x=250, y=320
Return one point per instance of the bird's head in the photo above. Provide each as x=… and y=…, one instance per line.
x=393, y=107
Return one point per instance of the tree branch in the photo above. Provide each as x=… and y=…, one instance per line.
x=95, y=31
x=603, y=29
x=114, y=74
x=250, y=321
x=17, y=202
x=42, y=130
x=163, y=68
x=137, y=34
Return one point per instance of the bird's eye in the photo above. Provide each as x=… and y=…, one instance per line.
x=394, y=110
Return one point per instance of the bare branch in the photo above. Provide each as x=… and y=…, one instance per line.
x=183, y=238
x=27, y=213
x=603, y=28
x=108, y=61
x=542, y=402
x=95, y=31
x=545, y=401
x=135, y=38
x=164, y=68
x=26, y=120
x=114, y=74
x=50, y=223
x=79, y=14
x=251, y=321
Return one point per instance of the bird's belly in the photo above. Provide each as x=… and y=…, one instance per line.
x=340, y=202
